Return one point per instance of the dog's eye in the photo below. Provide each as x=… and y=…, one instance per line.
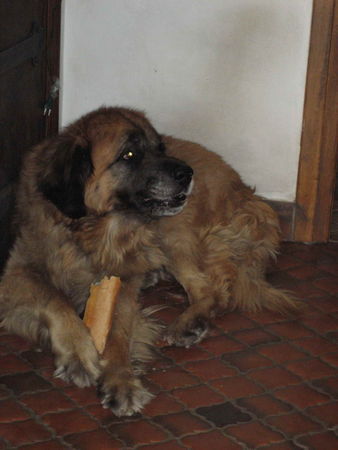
x=128, y=155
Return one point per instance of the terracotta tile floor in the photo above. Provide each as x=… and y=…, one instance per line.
x=258, y=381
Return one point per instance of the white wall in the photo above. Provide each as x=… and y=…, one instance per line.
x=229, y=74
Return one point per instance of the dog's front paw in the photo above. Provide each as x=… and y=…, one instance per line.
x=186, y=333
x=74, y=371
x=123, y=393
x=77, y=361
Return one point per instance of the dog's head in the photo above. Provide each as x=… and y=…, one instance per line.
x=113, y=159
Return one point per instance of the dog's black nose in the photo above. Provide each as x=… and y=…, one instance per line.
x=183, y=174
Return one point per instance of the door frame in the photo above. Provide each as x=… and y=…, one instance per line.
x=318, y=155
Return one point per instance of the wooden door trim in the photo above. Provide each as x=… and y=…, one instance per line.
x=316, y=173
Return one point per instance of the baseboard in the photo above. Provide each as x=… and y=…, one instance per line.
x=286, y=214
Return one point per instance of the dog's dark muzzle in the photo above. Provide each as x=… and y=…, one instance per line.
x=180, y=172
x=167, y=188
x=183, y=174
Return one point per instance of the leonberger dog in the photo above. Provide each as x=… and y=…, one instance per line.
x=111, y=196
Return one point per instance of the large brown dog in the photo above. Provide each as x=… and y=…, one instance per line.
x=110, y=196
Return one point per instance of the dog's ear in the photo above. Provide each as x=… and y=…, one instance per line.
x=63, y=181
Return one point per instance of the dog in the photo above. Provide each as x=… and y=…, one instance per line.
x=111, y=196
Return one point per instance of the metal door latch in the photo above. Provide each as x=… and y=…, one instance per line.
x=53, y=93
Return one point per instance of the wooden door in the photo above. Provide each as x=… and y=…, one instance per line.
x=29, y=66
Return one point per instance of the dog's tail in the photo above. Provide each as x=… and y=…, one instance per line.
x=252, y=293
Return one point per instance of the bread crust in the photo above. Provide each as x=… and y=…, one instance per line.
x=99, y=312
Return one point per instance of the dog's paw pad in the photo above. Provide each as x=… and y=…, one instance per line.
x=189, y=334
x=125, y=398
x=74, y=372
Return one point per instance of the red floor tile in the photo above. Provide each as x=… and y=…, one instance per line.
x=210, y=369
x=137, y=433
x=294, y=424
x=264, y=405
x=15, y=343
x=311, y=369
x=322, y=323
x=13, y=364
x=236, y=387
x=286, y=445
x=247, y=360
x=181, y=354
x=255, y=336
x=48, y=445
x=12, y=411
x=331, y=358
x=104, y=416
x=286, y=262
x=214, y=440
x=322, y=441
x=290, y=330
x=173, y=378
x=197, y=396
x=162, y=404
x=301, y=396
x=329, y=267
x=327, y=304
x=3, y=393
x=234, y=321
x=25, y=382
x=317, y=345
x=82, y=396
x=220, y=345
x=306, y=290
x=274, y=377
x=93, y=440
x=180, y=424
x=254, y=434
x=327, y=413
x=223, y=414
x=328, y=284
x=328, y=385
x=3, y=349
x=48, y=374
x=281, y=352
x=171, y=445
x=265, y=317
x=38, y=359
x=42, y=402
x=305, y=272
x=69, y=422
x=19, y=433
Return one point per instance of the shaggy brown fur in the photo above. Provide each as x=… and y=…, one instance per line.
x=109, y=196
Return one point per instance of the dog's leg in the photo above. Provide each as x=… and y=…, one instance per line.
x=192, y=325
x=128, y=346
x=32, y=308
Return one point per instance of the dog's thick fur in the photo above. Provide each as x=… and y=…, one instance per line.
x=110, y=196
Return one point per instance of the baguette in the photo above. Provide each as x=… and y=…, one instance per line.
x=99, y=311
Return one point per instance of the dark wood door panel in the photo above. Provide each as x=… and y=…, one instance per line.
x=16, y=20
x=21, y=110
x=21, y=92
x=29, y=64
